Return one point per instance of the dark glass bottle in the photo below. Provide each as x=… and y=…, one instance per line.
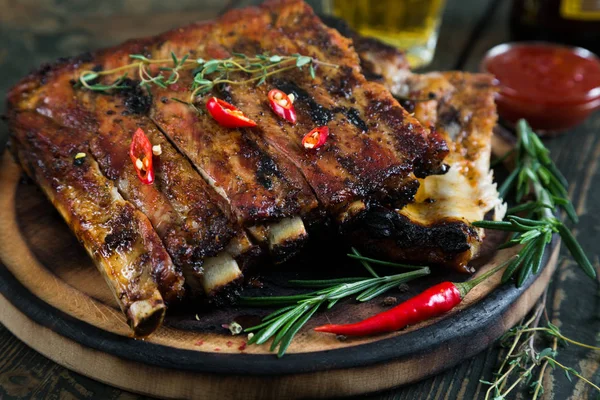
x=572, y=22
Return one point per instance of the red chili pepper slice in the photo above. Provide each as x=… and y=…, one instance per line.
x=315, y=138
x=282, y=105
x=228, y=115
x=140, y=152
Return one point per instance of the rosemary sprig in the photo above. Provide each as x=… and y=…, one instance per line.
x=283, y=324
x=207, y=73
x=536, y=174
x=365, y=261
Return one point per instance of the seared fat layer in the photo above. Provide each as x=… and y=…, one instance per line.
x=118, y=237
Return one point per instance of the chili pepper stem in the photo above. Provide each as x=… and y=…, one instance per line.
x=466, y=287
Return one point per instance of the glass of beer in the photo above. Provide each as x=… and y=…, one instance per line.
x=410, y=25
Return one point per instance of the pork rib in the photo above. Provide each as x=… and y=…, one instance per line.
x=119, y=238
x=363, y=117
x=437, y=228
x=183, y=210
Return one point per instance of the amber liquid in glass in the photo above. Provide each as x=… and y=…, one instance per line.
x=410, y=25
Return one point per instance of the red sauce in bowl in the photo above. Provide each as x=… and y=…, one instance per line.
x=554, y=87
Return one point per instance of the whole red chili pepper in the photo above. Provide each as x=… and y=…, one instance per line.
x=433, y=302
x=140, y=153
x=315, y=138
x=228, y=115
x=282, y=105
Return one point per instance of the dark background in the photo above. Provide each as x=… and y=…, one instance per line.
x=37, y=31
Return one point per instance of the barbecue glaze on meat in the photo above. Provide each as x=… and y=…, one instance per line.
x=362, y=116
x=218, y=189
x=185, y=213
x=117, y=236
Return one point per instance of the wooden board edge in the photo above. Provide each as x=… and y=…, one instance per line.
x=172, y=383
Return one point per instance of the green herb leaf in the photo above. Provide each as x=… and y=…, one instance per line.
x=201, y=81
x=183, y=60
x=210, y=67
x=576, y=251
x=287, y=339
x=323, y=283
x=139, y=57
x=303, y=60
x=89, y=77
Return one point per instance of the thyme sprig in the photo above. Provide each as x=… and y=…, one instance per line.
x=207, y=73
x=283, y=324
x=522, y=358
x=536, y=174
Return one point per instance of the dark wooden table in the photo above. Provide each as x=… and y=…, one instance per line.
x=32, y=32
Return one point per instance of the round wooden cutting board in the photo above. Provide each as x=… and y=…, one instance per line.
x=54, y=300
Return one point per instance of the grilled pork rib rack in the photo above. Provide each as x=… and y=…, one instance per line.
x=223, y=198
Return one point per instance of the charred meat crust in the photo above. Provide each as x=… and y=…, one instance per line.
x=460, y=107
x=386, y=233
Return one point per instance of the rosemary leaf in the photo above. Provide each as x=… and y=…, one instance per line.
x=89, y=77
x=279, y=336
x=576, y=251
x=323, y=283
x=276, y=313
x=376, y=291
x=357, y=256
x=539, y=255
x=273, y=300
x=287, y=339
x=365, y=263
x=499, y=226
x=527, y=263
x=507, y=184
x=526, y=222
